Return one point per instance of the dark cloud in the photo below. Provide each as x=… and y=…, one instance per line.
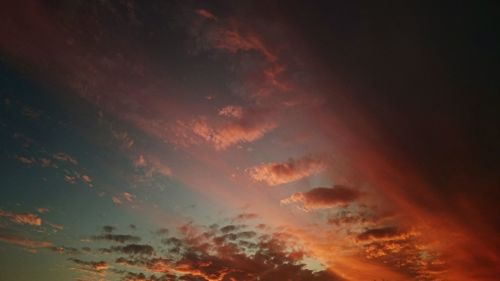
x=380, y=233
x=134, y=249
x=96, y=266
x=232, y=252
x=120, y=238
x=108, y=228
x=324, y=197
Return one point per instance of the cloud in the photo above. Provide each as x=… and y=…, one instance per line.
x=123, y=197
x=246, y=216
x=134, y=249
x=206, y=14
x=384, y=233
x=25, y=160
x=323, y=197
x=120, y=238
x=95, y=266
x=289, y=171
x=43, y=210
x=22, y=218
x=108, y=228
x=22, y=241
x=240, y=131
x=64, y=157
x=228, y=38
x=231, y=111
x=151, y=164
x=233, y=252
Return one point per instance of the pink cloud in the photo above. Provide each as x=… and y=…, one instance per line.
x=224, y=136
x=285, y=172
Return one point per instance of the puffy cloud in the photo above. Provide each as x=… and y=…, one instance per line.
x=22, y=218
x=285, y=172
x=323, y=197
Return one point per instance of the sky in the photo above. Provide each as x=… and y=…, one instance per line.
x=249, y=140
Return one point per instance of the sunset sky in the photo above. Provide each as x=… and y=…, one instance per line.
x=249, y=140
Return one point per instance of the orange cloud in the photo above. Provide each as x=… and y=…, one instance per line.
x=22, y=218
x=289, y=171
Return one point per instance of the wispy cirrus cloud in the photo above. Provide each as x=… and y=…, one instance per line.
x=291, y=170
